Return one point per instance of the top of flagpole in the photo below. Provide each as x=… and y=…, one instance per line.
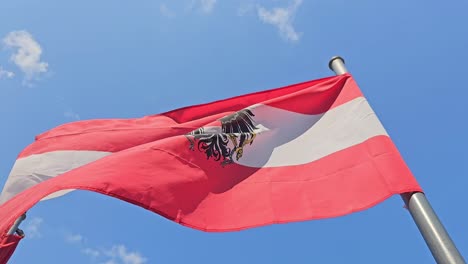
x=337, y=64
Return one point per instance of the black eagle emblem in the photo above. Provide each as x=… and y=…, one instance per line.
x=237, y=130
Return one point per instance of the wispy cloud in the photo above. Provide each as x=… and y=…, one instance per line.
x=74, y=238
x=4, y=74
x=27, y=53
x=116, y=254
x=93, y=253
x=32, y=227
x=120, y=254
x=282, y=18
x=165, y=11
x=71, y=114
x=205, y=6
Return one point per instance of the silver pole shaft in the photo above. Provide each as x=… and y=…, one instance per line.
x=437, y=239
x=16, y=224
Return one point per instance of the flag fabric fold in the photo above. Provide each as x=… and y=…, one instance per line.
x=8, y=245
x=306, y=151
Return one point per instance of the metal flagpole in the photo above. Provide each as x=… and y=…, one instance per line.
x=15, y=227
x=437, y=239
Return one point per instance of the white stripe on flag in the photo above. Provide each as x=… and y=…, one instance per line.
x=291, y=138
x=34, y=169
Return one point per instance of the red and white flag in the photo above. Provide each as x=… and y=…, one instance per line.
x=306, y=151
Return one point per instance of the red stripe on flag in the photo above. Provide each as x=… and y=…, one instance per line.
x=111, y=135
x=8, y=244
x=317, y=96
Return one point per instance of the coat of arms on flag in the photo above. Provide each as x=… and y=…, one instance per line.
x=236, y=131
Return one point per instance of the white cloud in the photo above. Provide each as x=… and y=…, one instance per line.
x=119, y=254
x=165, y=11
x=204, y=6
x=27, y=54
x=31, y=227
x=72, y=115
x=207, y=5
x=93, y=253
x=74, y=238
x=4, y=74
x=282, y=18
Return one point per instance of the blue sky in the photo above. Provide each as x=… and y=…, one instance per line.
x=103, y=59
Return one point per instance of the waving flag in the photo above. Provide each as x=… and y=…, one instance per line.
x=306, y=151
